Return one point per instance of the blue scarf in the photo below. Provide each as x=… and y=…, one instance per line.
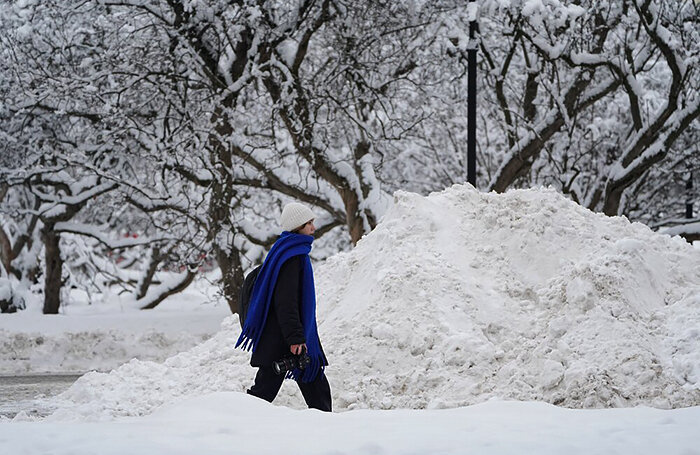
x=288, y=245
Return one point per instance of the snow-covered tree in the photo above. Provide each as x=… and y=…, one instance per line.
x=590, y=96
x=197, y=120
x=66, y=146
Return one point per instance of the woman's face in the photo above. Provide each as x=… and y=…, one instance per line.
x=308, y=228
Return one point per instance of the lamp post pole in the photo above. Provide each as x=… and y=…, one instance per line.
x=473, y=16
x=689, y=196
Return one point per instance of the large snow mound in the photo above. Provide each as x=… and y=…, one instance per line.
x=460, y=297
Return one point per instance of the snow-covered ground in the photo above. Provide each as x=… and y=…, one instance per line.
x=104, y=336
x=458, y=300
x=234, y=423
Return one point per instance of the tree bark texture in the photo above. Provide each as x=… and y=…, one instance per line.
x=231, y=276
x=54, y=267
x=156, y=259
x=6, y=253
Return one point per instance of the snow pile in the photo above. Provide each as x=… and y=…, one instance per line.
x=463, y=296
x=460, y=297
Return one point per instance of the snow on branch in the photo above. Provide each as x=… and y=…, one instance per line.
x=149, y=204
x=168, y=287
x=275, y=182
x=112, y=244
x=78, y=199
x=650, y=19
x=690, y=228
x=660, y=145
x=522, y=152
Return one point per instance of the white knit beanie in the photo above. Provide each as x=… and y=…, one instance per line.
x=295, y=215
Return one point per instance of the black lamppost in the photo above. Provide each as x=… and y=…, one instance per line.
x=473, y=17
x=689, y=196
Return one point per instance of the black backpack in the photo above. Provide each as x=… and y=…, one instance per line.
x=245, y=292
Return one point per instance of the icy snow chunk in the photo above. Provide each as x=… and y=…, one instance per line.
x=575, y=11
x=288, y=51
x=629, y=245
x=551, y=374
x=24, y=31
x=580, y=292
x=382, y=331
x=531, y=7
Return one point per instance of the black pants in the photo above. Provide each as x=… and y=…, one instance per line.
x=317, y=393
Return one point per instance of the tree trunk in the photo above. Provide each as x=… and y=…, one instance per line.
x=54, y=267
x=231, y=276
x=354, y=221
x=6, y=253
x=362, y=149
x=5, y=246
x=26, y=240
x=147, y=280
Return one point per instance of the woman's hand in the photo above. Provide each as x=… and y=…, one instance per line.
x=297, y=348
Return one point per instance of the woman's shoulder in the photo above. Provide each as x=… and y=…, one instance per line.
x=293, y=261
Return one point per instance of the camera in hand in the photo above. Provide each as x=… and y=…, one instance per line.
x=286, y=364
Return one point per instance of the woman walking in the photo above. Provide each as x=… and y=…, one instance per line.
x=281, y=318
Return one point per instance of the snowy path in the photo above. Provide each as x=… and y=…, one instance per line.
x=226, y=423
x=19, y=393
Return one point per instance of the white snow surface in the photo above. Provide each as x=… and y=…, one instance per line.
x=461, y=297
x=105, y=335
x=234, y=423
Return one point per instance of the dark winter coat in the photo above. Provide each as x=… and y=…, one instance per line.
x=283, y=327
